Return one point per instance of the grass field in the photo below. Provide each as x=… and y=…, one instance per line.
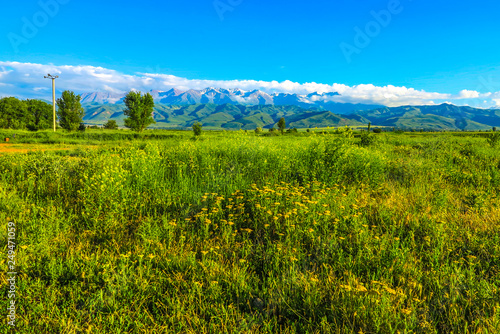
x=239, y=233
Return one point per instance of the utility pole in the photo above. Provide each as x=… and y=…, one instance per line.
x=53, y=95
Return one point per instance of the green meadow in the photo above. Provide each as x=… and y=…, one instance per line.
x=237, y=232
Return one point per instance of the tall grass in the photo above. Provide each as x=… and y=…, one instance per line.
x=241, y=233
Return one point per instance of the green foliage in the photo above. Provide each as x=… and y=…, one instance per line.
x=282, y=124
x=254, y=234
x=40, y=115
x=493, y=139
x=25, y=114
x=377, y=130
x=111, y=125
x=81, y=127
x=258, y=130
x=70, y=111
x=13, y=113
x=366, y=139
x=139, y=111
x=197, y=128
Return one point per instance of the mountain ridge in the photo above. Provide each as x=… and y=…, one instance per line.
x=236, y=96
x=249, y=117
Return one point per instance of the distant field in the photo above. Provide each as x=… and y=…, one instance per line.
x=235, y=232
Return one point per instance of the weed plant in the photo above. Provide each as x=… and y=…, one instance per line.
x=238, y=233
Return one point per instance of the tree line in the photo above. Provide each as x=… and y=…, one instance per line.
x=25, y=114
x=37, y=115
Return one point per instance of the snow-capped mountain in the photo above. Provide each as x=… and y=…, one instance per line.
x=238, y=96
x=101, y=98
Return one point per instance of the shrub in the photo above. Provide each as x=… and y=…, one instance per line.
x=493, y=139
x=366, y=139
x=350, y=164
x=111, y=125
x=258, y=130
x=377, y=130
x=197, y=129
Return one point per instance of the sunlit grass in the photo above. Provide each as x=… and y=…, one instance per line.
x=241, y=233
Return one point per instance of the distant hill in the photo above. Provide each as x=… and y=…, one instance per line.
x=435, y=117
x=225, y=116
x=249, y=117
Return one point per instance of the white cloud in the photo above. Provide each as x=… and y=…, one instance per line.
x=468, y=94
x=25, y=80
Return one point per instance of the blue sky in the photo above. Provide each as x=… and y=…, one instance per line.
x=443, y=47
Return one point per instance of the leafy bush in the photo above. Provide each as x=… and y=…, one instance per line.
x=366, y=139
x=197, y=129
x=493, y=139
x=111, y=125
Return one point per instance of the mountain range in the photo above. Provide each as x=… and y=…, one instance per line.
x=220, y=96
x=218, y=108
x=226, y=116
x=234, y=117
x=434, y=117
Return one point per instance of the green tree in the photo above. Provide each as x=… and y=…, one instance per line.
x=39, y=115
x=282, y=124
x=13, y=113
x=139, y=111
x=111, y=125
x=70, y=111
x=197, y=129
